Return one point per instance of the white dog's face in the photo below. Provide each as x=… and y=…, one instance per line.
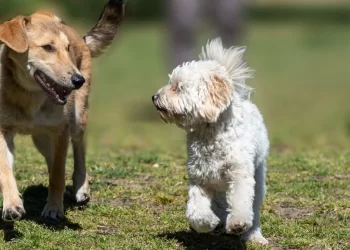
x=197, y=93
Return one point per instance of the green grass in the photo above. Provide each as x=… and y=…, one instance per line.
x=137, y=162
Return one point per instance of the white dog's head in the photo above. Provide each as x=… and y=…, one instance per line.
x=199, y=91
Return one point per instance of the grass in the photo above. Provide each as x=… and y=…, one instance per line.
x=137, y=163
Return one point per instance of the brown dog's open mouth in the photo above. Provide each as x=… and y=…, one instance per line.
x=57, y=93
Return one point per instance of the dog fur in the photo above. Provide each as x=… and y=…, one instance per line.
x=43, y=66
x=227, y=141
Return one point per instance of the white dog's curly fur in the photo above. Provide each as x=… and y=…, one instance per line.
x=227, y=140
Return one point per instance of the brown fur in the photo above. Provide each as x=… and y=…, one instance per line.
x=13, y=35
x=102, y=34
x=220, y=93
x=26, y=109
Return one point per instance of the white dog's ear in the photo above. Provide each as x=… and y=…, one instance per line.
x=220, y=96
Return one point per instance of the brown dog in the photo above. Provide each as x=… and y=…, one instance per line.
x=44, y=86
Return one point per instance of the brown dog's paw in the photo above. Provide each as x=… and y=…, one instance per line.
x=82, y=198
x=53, y=212
x=12, y=213
x=82, y=195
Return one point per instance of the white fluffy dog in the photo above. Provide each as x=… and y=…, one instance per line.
x=227, y=140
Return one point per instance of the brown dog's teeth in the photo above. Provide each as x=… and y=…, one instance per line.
x=56, y=92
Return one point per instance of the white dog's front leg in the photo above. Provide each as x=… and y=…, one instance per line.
x=240, y=196
x=199, y=212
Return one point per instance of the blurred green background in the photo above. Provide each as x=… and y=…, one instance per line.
x=299, y=49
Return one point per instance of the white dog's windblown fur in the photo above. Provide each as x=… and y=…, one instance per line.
x=226, y=140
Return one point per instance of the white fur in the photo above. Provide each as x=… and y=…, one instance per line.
x=9, y=158
x=9, y=151
x=232, y=60
x=227, y=151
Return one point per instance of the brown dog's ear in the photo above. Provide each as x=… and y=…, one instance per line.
x=220, y=97
x=13, y=34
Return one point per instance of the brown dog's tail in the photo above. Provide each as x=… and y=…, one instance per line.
x=102, y=34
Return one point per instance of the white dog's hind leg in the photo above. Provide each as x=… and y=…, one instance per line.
x=219, y=206
x=199, y=212
x=254, y=234
x=240, y=196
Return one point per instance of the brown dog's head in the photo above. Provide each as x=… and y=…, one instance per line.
x=41, y=54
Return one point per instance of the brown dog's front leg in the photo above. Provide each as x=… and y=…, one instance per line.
x=80, y=177
x=12, y=205
x=54, y=206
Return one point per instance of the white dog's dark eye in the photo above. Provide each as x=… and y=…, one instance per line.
x=180, y=87
x=48, y=48
x=68, y=48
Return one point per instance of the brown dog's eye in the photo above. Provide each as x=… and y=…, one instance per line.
x=48, y=48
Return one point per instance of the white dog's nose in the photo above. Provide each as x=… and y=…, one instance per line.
x=154, y=98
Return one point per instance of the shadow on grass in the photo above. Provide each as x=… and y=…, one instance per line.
x=195, y=241
x=34, y=199
x=10, y=233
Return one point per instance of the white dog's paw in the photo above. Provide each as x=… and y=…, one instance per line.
x=255, y=236
x=238, y=225
x=202, y=221
x=53, y=211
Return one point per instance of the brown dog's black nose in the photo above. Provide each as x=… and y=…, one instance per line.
x=154, y=98
x=77, y=80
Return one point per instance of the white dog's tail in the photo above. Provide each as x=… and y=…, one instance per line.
x=232, y=60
